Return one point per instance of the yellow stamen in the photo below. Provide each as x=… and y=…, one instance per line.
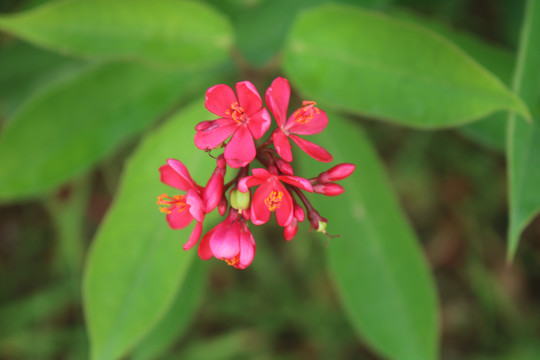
x=177, y=201
x=237, y=113
x=232, y=261
x=306, y=113
x=273, y=201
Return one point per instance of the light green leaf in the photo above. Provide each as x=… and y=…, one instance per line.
x=377, y=264
x=76, y=122
x=371, y=64
x=164, y=31
x=177, y=319
x=136, y=264
x=524, y=138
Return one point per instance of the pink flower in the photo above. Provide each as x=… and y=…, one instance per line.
x=230, y=241
x=307, y=120
x=181, y=210
x=271, y=195
x=243, y=117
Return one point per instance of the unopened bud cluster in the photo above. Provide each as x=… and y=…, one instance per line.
x=272, y=186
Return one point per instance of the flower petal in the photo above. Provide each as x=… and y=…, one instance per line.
x=171, y=177
x=297, y=181
x=315, y=151
x=277, y=99
x=219, y=99
x=195, y=236
x=259, y=123
x=246, y=182
x=196, y=206
x=260, y=213
x=179, y=217
x=248, y=97
x=240, y=151
x=225, y=242
x=309, y=126
x=282, y=145
x=213, y=135
x=247, y=249
x=204, y=250
x=284, y=212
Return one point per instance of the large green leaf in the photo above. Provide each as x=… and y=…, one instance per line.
x=377, y=264
x=374, y=65
x=524, y=138
x=74, y=123
x=136, y=264
x=164, y=31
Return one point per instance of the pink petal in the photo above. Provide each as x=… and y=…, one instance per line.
x=219, y=99
x=247, y=249
x=277, y=99
x=261, y=173
x=248, y=97
x=312, y=126
x=196, y=206
x=245, y=183
x=213, y=135
x=259, y=123
x=315, y=151
x=225, y=242
x=204, y=250
x=282, y=145
x=179, y=219
x=171, y=177
x=240, y=151
x=194, y=237
x=284, y=213
x=261, y=213
x=297, y=181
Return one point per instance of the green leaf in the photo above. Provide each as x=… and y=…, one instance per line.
x=524, y=138
x=25, y=69
x=177, y=319
x=371, y=64
x=377, y=264
x=136, y=264
x=76, y=122
x=165, y=31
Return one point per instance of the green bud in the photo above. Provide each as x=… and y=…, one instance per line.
x=322, y=226
x=239, y=200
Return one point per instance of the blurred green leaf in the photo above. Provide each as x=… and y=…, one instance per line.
x=25, y=69
x=178, y=318
x=377, y=264
x=136, y=264
x=524, y=137
x=374, y=65
x=74, y=123
x=168, y=32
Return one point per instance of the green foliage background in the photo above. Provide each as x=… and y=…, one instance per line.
x=435, y=102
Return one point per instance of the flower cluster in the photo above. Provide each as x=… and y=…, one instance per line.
x=242, y=120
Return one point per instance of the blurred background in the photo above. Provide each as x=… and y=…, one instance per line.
x=451, y=184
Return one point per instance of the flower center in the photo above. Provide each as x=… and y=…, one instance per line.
x=306, y=112
x=273, y=201
x=177, y=201
x=232, y=261
x=236, y=113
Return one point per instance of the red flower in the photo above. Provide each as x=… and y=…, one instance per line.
x=242, y=117
x=271, y=195
x=231, y=241
x=182, y=209
x=307, y=120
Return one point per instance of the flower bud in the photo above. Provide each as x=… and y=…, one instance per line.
x=284, y=167
x=213, y=192
x=220, y=161
x=330, y=189
x=299, y=213
x=338, y=172
x=289, y=231
x=240, y=200
x=222, y=206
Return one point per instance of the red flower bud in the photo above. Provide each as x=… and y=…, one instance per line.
x=213, y=192
x=330, y=189
x=338, y=172
x=284, y=167
x=299, y=213
x=289, y=231
x=222, y=206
